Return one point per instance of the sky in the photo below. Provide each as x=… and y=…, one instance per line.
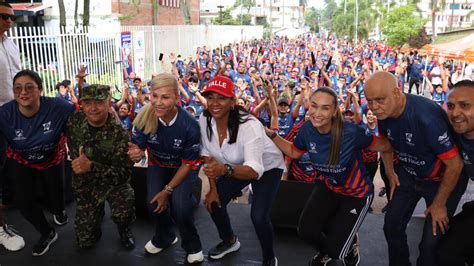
x=316, y=3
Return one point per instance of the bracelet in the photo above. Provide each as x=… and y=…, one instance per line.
x=273, y=135
x=229, y=170
x=168, y=189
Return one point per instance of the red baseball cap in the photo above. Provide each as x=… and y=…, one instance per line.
x=221, y=85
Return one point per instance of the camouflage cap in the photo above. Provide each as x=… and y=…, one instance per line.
x=95, y=92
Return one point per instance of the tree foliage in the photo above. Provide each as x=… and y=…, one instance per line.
x=401, y=24
x=225, y=18
x=312, y=18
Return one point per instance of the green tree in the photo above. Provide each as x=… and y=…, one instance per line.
x=311, y=18
x=401, y=24
x=344, y=22
x=328, y=14
x=225, y=18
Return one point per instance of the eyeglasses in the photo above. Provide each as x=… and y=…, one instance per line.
x=17, y=89
x=6, y=16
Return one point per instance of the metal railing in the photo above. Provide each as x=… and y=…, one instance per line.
x=56, y=54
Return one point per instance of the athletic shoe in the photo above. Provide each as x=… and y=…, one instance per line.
x=195, y=258
x=382, y=192
x=352, y=258
x=151, y=249
x=43, y=244
x=61, y=218
x=126, y=237
x=271, y=262
x=223, y=249
x=10, y=239
x=319, y=259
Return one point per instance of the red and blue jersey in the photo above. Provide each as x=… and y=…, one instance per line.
x=349, y=177
x=38, y=141
x=421, y=137
x=171, y=146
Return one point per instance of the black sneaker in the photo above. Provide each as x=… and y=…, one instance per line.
x=61, y=218
x=43, y=244
x=270, y=262
x=319, y=259
x=352, y=258
x=223, y=249
x=382, y=192
x=126, y=238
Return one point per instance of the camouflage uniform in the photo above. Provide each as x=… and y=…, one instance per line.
x=109, y=178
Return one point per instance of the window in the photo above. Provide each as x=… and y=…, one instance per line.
x=466, y=6
x=454, y=6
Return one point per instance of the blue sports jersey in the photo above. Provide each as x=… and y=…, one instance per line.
x=439, y=98
x=349, y=177
x=285, y=123
x=421, y=137
x=37, y=139
x=170, y=146
x=466, y=148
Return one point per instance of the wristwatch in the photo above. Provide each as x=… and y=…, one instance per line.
x=229, y=170
x=168, y=189
x=273, y=135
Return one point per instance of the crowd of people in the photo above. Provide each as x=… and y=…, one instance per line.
x=312, y=109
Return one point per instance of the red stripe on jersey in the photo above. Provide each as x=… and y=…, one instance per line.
x=193, y=163
x=293, y=147
x=449, y=154
x=349, y=180
x=373, y=142
x=436, y=168
x=58, y=156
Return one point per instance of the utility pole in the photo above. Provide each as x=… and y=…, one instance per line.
x=241, y=5
x=220, y=11
x=356, y=17
x=283, y=9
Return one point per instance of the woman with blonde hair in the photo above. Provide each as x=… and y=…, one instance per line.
x=172, y=139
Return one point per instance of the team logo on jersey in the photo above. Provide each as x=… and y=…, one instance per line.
x=312, y=147
x=47, y=128
x=444, y=139
x=177, y=143
x=465, y=158
x=389, y=134
x=409, y=138
x=19, y=134
x=153, y=139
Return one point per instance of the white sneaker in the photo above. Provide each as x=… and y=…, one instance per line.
x=10, y=240
x=195, y=258
x=151, y=249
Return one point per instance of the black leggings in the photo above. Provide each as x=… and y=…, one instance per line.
x=372, y=169
x=25, y=183
x=416, y=83
x=330, y=221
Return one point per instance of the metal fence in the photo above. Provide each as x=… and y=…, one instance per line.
x=56, y=55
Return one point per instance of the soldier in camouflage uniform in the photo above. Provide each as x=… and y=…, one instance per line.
x=102, y=170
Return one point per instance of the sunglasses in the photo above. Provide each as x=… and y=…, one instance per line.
x=6, y=16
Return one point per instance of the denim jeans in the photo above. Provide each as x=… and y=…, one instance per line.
x=179, y=211
x=399, y=213
x=264, y=192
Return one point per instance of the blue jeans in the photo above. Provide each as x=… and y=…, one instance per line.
x=264, y=192
x=399, y=213
x=179, y=211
